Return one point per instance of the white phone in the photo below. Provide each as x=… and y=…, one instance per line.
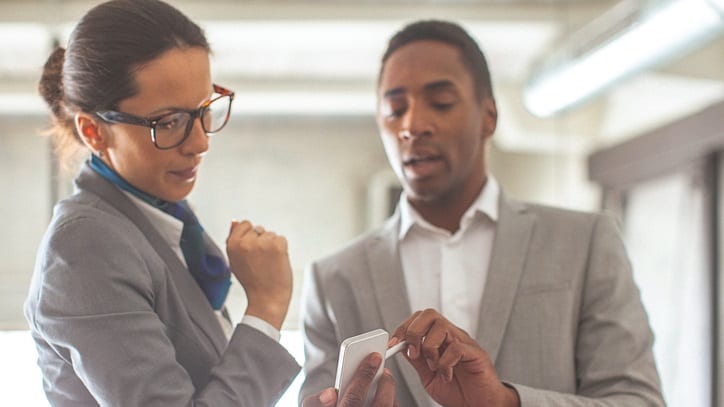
x=351, y=353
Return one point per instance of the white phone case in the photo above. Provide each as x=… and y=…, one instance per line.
x=351, y=353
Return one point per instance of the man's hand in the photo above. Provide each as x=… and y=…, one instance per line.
x=356, y=393
x=453, y=368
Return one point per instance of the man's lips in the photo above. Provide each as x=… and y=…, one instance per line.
x=420, y=155
x=421, y=165
x=417, y=159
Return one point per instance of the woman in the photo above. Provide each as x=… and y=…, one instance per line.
x=126, y=302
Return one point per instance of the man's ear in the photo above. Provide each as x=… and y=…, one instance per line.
x=490, y=117
x=89, y=129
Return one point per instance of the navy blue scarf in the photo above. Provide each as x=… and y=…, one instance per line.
x=210, y=272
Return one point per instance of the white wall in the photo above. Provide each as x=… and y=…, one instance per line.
x=559, y=179
x=24, y=209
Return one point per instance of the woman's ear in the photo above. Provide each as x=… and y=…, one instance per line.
x=88, y=128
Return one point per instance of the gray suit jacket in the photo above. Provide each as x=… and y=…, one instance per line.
x=119, y=321
x=560, y=316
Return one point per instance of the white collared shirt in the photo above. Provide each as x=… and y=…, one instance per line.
x=170, y=229
x=447, y=271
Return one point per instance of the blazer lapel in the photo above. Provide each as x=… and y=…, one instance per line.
x=387, y=278
x=392, y=300
x=198, y=306
x=512, y=237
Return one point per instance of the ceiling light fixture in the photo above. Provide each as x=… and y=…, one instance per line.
x=649, y=40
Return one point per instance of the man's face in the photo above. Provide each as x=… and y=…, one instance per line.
x=432, y=124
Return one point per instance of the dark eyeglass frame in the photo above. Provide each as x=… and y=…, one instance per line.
x=114, y=117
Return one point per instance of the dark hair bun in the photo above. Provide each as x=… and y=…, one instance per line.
x=51, y=82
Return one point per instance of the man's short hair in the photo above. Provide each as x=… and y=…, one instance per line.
x=449, y=33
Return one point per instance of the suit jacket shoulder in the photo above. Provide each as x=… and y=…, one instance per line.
x=354, y=251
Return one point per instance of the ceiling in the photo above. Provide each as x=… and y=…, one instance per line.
x=287, y=58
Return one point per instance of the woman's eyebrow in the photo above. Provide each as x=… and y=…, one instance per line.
x=394, y=92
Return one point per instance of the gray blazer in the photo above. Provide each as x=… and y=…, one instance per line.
x=119, y=321
x=560, y=316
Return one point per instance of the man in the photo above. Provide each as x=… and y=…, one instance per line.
x=536, y=305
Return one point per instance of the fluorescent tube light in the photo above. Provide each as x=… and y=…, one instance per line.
x=247, y=103
x=304, y=103
x=668, y=32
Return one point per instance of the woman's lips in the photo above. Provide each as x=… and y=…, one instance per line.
x=188, y=174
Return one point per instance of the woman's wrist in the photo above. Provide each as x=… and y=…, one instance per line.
x=272, y=312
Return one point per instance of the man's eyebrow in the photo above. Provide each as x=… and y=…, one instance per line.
x=442, y=84
x=439, y=85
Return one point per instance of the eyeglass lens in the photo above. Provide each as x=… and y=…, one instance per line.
x=172, y=129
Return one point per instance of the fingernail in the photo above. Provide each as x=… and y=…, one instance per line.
x=376, y=359
x=392, y=342
x=412, y=351
x=327, y=396
x=430, y=364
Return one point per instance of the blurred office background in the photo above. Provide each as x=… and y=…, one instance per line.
x=604, y=105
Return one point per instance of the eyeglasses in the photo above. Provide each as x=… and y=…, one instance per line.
x=172, y=129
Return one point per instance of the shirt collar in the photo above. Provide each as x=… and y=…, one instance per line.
x=486, y=203
x=169, y=227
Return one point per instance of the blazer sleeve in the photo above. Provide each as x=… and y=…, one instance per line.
x=321, y=348
x=93, y=309
x=613, y=356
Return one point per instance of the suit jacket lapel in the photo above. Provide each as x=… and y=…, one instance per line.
x=392, y=300
x=512, y=237
x=198, y=306
x=387, y=278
